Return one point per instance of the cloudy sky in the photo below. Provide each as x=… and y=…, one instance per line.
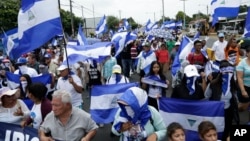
x=140, y=10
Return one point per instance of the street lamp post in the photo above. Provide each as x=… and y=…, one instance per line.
x=163, y=16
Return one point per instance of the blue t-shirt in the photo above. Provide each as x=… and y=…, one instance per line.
x=245, y=68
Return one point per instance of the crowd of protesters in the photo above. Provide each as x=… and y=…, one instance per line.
x=199, y=77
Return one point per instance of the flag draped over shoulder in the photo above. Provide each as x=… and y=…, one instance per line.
x=183, y=51
x=223, y=8
x=38, y=22
x=13, y=80
x=191, y=113
x=81, y=37
x=97, y=51
x=102, y=26
x=247, y=25
x=103, y=105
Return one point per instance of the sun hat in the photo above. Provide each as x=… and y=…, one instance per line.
x=190, y=71
x=116, y=69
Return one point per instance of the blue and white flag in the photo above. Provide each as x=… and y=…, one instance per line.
x=103, y=105
x=126, y=24
x=155, y=81
x=81, y=37
x=38, y=22
x=102, y=26
x=13, y=80
x=8, y=44
x=145, y=59
x=54, y=42
x=179, y=23
x=183, y=51
x=196, y=36
x=122, y=39
x=247, y=25
x=191, y=113
x=148, y=25
x=12, y=34
x=223, y=8
x=169, y=24
x=111, y=33
x=97, y=51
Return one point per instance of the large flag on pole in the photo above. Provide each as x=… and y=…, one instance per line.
x=223, y=8
x=81, y=37
x=247, y=25
x=102, y=26
x=38, y=22
x=191, y=113
x=103, y=105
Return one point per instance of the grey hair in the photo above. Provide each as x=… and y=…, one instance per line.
x=64, y=95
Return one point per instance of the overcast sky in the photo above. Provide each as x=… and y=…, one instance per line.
x=139, y=10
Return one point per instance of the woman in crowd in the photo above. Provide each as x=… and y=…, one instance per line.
x=223, y=88
x=207, y=131
x=189, y=87
x=163, y=58
x=243, y=72
x=175, y=132
x=233, y=52
x=135, y=120
x=12, y=110
x=42, y=106
x=25, y=82
x=155, y=90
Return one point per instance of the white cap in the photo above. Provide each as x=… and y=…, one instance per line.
x=62, y=67
x=177, y=44
x=116, y=69
x=7, y=91
x=191, y=70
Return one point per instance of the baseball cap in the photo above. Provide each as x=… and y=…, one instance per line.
x=191, y=70
x=177, y=44
x=62, y=67
x=116, y=69
x=21, y=60
x=7, y=91
x=47, y=55
x=221, y=34
x=146, y=44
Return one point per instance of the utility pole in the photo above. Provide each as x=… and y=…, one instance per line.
x=83, y=22
x=163, y=16
x=94, y=15
x=120, y=14
x=59, y=4
x=72, y=20
x=184, y=16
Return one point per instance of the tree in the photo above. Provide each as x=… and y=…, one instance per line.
x=112, y=22
x=8, y=14
x=243, y=8
x=180, y=16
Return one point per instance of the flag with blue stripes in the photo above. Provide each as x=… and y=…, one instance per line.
x=103, y=104
x=155, y=81
x=183, y=51
x=97, y=51
x=191, y=113
x=148, y=25
x=38, y=22
x=102, y=26
x=81, y=37
x=223, y=8
x=12, y=34
x=179, y=23
x=247, y=25
x=13, y=80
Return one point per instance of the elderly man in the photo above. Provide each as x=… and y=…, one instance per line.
x=66, y=122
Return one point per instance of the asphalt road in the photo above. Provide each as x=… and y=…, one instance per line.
x=103, y=133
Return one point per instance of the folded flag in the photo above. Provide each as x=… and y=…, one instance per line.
x=154, y=80
x=191, y=113
x=103, y=104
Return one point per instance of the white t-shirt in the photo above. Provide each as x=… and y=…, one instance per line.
x=65, y=85
x=36, y=115
x=218, y=48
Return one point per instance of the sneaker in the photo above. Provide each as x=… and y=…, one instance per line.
x=101, y=125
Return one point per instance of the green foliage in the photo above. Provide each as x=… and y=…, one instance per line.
x=8, y=14
x=112, y=22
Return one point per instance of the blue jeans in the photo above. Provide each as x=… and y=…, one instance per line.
x=126, y=63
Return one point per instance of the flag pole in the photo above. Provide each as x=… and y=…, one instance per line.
x=64, y=40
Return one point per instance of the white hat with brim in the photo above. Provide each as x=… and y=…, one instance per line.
x=190, y=71
x=7, y=91
x=116, y=69
x=62, y=67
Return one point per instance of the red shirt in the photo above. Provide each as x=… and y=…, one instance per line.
x=162, y=56
x=196, y=59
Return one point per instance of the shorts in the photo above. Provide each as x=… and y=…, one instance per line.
x=241, y=98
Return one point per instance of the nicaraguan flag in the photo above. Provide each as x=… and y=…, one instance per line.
x=13, y=80
x=8, y=44
x=191, y=113
x=103, y=104
x=111, y=33
x=102, y=26
x=148, y=25
x=126, y=24
x=97, y=51
x=247, y=25
x=223, y=8
x=12, y=34
x=81, y=37
x=154, y=80
x=183, y=51
x=179, y=23
x=54, y=42
x=38, y=22
x=147, y=58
